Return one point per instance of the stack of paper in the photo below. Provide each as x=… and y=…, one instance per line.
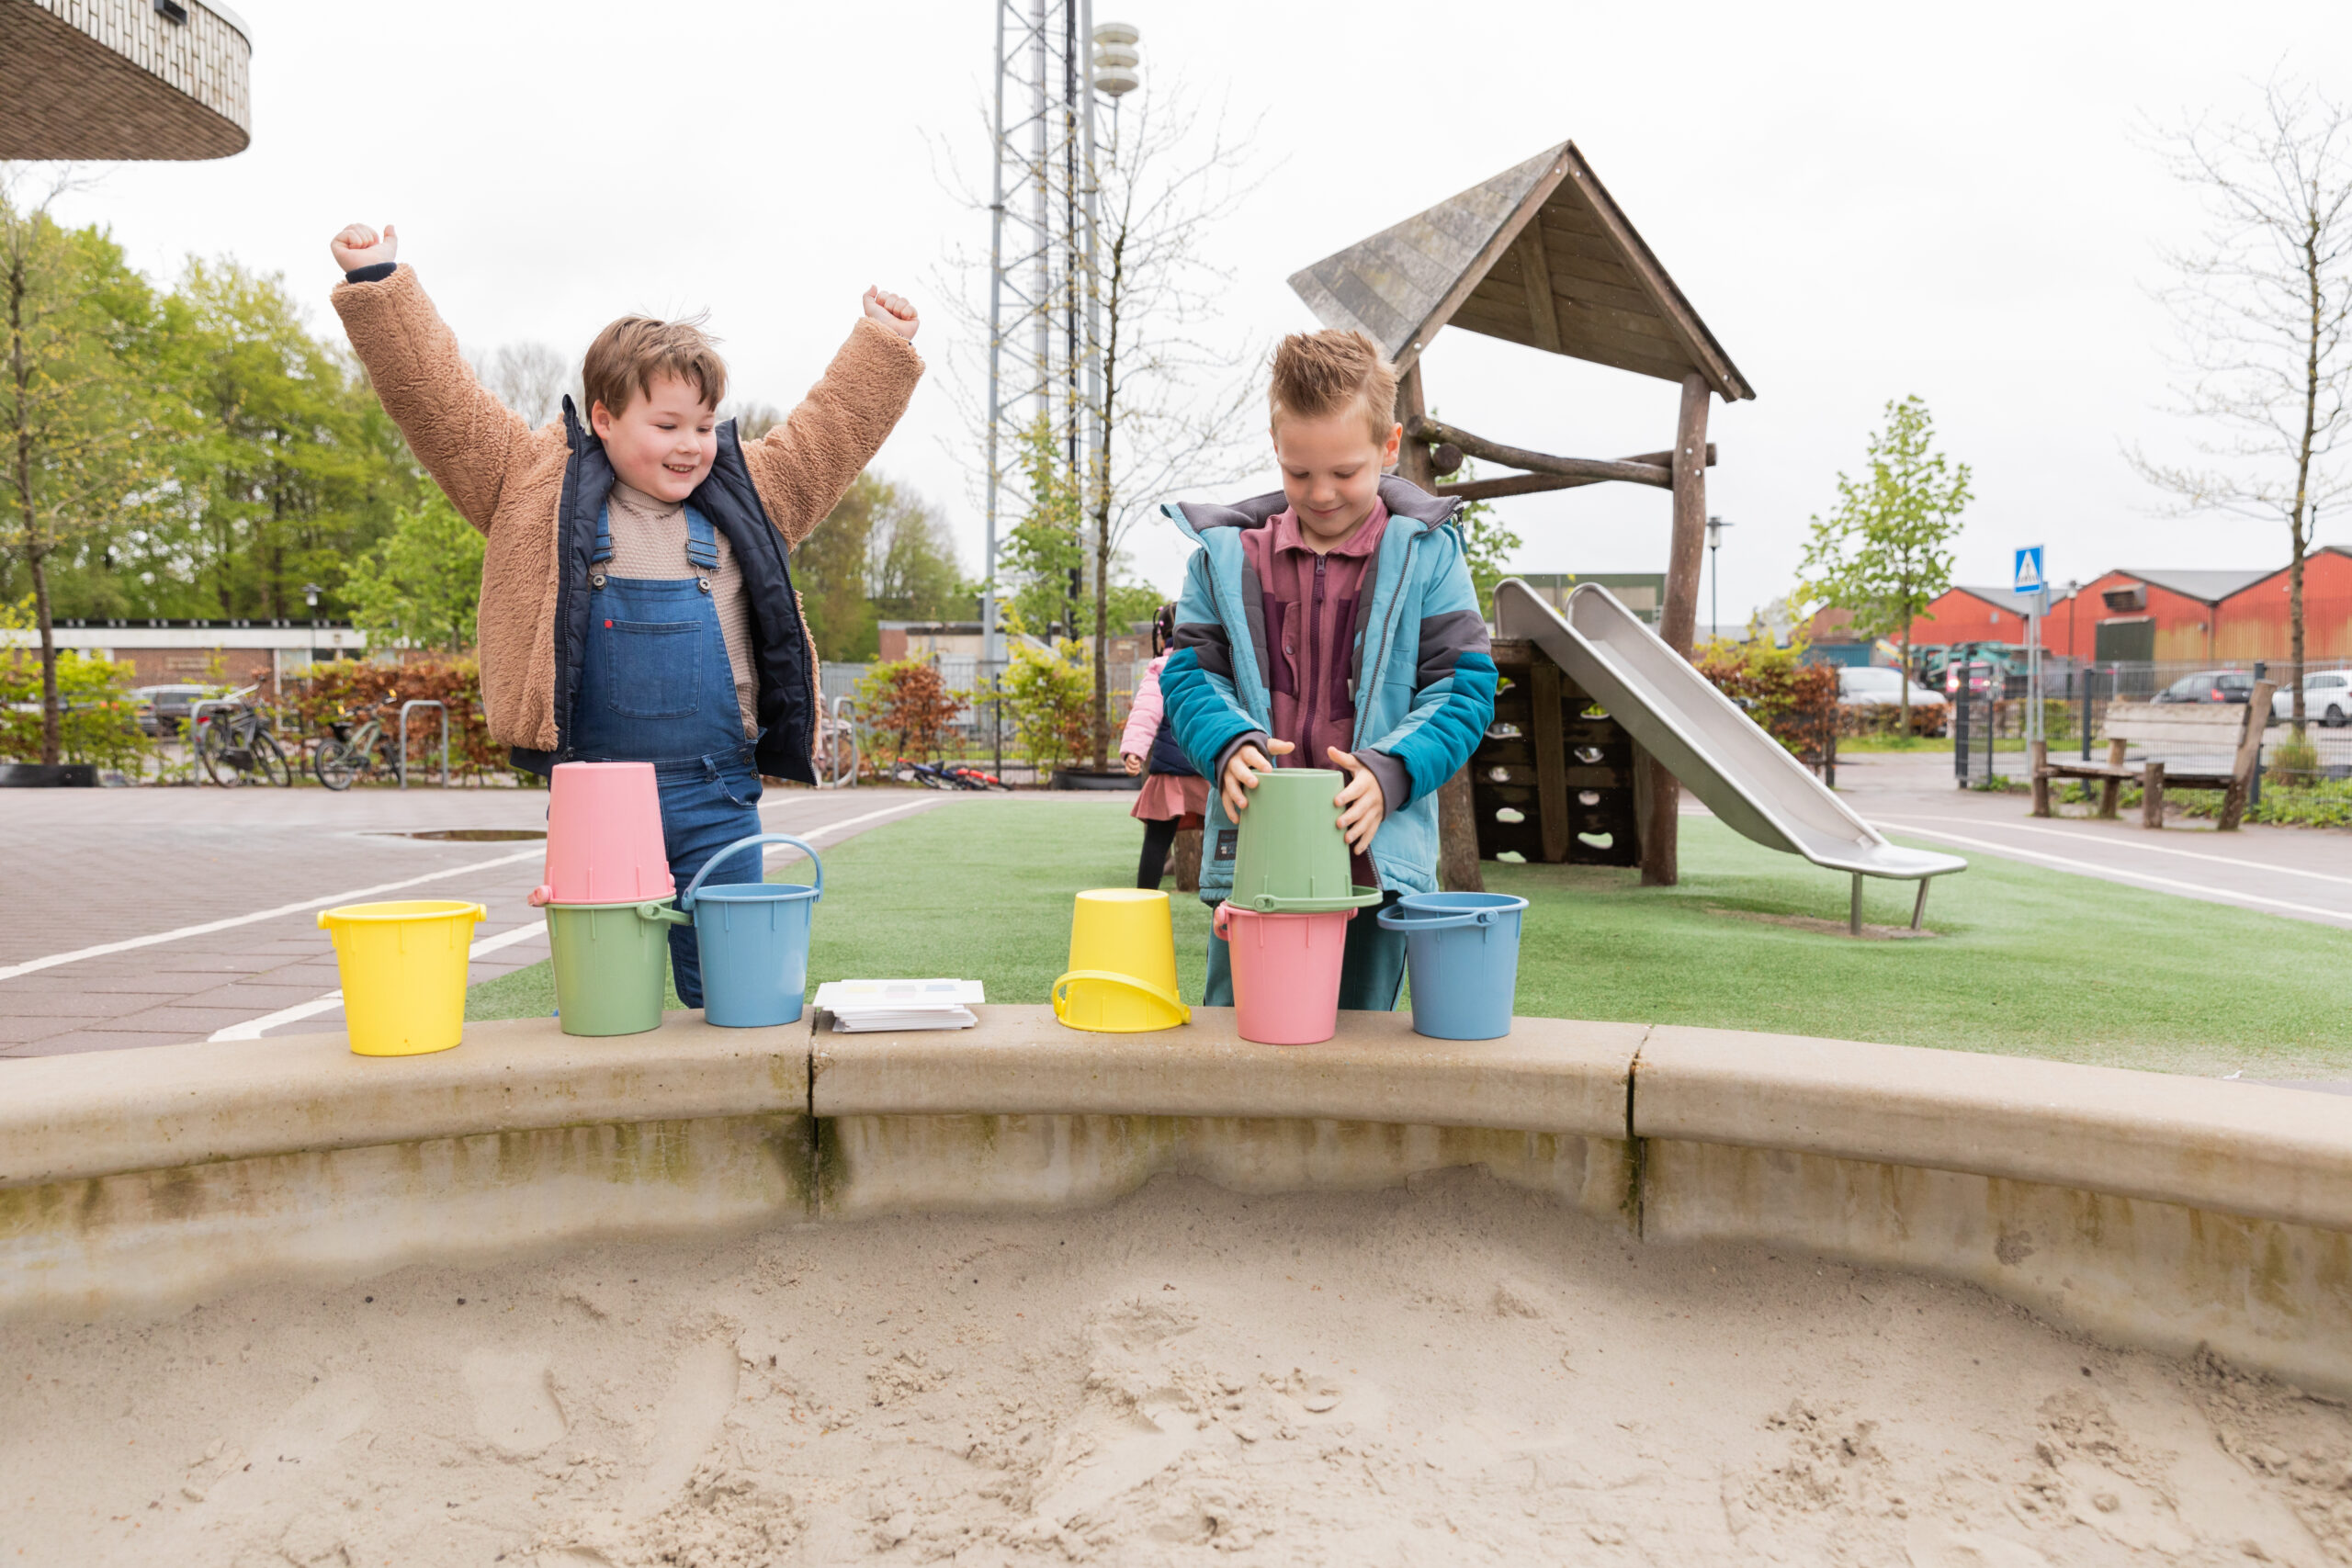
x=861, y=1007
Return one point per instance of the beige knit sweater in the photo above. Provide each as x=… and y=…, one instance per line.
x=507, y=479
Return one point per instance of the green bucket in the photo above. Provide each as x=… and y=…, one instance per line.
x=611, y=964
x=1291, y=858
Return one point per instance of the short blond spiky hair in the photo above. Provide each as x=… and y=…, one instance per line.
x=1320, y=374
x=625, y=357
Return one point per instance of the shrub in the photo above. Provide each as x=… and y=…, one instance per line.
x=1051, y=698
x=100, y=721
x=347, y=688
x=1796, y=702
x=907, y=706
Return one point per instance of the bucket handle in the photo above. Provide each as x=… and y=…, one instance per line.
x=686, y=901
x=1397, y=920
x=1061, y=989
x=1271, y=904
x=660, y=913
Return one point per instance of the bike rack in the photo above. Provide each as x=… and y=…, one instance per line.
x=843, y=735
x=443, y=710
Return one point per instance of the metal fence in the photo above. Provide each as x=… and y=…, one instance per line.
x=983, y=728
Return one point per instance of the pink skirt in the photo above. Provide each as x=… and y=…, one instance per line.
x=1171, y=794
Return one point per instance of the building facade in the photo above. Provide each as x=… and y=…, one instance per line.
x=122, y=79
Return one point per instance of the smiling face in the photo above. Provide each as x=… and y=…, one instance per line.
x=1332, y=465
x=664, y=442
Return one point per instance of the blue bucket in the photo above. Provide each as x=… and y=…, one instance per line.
x=1462, y=950
x=755, y=941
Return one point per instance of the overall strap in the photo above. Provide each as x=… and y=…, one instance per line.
x=702, y=543
x=604, y=550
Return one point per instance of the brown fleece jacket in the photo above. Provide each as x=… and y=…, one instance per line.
x=507, y=479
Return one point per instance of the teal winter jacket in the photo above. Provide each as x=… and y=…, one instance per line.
x=1423, y=674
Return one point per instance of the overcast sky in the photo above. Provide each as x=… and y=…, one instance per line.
x=1861, y=202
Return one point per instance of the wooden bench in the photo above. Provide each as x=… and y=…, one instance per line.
x=2201, y=729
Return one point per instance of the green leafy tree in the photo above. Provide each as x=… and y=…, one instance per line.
x=1885, y=552
x=883, y=553
x=423, y=585
x=1050, y=696
x=98, y=722
x=1487, y=542
x=80, y=367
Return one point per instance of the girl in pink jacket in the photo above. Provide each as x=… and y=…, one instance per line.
x=1174, y=795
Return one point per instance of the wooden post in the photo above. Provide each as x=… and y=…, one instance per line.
x=1187, y=860
x=2040, y=761
x=1680, y=620
x=1457, y=812
x=1551, y=756
x=2111, y=789
x=2152, y=796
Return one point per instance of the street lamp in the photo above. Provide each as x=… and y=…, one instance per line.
x=1715, y=526
x=311, y=597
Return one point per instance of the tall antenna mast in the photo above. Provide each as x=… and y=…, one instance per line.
x=1052, y=64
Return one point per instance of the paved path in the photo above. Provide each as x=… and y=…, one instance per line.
x=208, y=898
x=2302, y=873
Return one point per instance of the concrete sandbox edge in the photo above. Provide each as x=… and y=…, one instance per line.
x=2151, y=1209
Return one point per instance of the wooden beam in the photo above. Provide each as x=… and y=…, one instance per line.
x=1533, y=484
x=1535, y=272
x=1424, y=429
x=1412, y=456
x=1678, y=617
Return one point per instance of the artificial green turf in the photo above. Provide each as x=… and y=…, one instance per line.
x=2025, y=960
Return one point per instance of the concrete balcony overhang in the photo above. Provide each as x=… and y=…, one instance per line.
x=123, y=79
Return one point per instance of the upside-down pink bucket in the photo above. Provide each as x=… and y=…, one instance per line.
x=604, y=836
x=1286, y=972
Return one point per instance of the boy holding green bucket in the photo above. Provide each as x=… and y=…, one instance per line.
x=636, y=603
x=1332, y=622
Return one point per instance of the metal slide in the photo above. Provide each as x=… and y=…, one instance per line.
x=1747, y=778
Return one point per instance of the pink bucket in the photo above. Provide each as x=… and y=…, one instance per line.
x=604, y=836
x=1286, y=972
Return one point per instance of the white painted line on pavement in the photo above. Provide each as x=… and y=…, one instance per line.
x=2127, y=843
x=255, y=1028
x=11, y=971
x=2115, y=874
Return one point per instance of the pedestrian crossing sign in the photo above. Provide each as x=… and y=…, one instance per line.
x=2030, y=579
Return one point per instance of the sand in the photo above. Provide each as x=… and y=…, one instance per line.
x=1458, y=1373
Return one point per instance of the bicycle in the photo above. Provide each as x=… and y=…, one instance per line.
x=349, y=754
x=234, y=742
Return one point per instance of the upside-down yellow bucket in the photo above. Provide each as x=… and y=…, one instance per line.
x=1122, y=977
x=403, y=967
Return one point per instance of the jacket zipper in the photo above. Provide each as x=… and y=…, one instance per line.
x=1312, y=678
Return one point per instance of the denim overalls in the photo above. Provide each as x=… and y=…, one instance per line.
x=655, y=687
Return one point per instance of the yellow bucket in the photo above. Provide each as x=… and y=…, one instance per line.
x=1122, y=977
x=403, y=967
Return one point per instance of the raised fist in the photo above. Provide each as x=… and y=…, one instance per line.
x=891, y=309
x=358, y=246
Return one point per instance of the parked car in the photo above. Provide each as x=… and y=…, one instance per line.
x=163, y=710
x=2210, y=686
x=2327, y=697
x=1872, y=686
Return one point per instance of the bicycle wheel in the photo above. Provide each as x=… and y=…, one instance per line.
x=213, y=744
x=270, y=762
x=337, y=764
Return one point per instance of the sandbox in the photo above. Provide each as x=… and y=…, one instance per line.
x=1592, y=1292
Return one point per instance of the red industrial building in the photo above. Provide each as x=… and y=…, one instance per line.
x=2228, y=618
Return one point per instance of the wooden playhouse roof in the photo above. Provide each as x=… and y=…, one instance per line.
x=1469, y=262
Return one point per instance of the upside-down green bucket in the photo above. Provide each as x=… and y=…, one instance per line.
x=1291, y=858
x=612, y=963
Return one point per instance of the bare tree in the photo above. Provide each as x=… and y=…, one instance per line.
x=2262, y=304
x=1163, y=391
x=529, y=378
x=1170, y=402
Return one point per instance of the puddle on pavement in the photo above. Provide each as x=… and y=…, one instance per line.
x=468, y=835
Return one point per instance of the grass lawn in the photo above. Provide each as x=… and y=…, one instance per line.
x=2025, y=960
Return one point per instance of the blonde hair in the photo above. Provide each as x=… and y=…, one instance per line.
x=1320, y=374
x=622, y=363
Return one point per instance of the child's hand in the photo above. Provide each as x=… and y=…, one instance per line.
x=1241, y=774
x=1132, y=763
x=358, y=246
x=1361, y=804
x=893, y=311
